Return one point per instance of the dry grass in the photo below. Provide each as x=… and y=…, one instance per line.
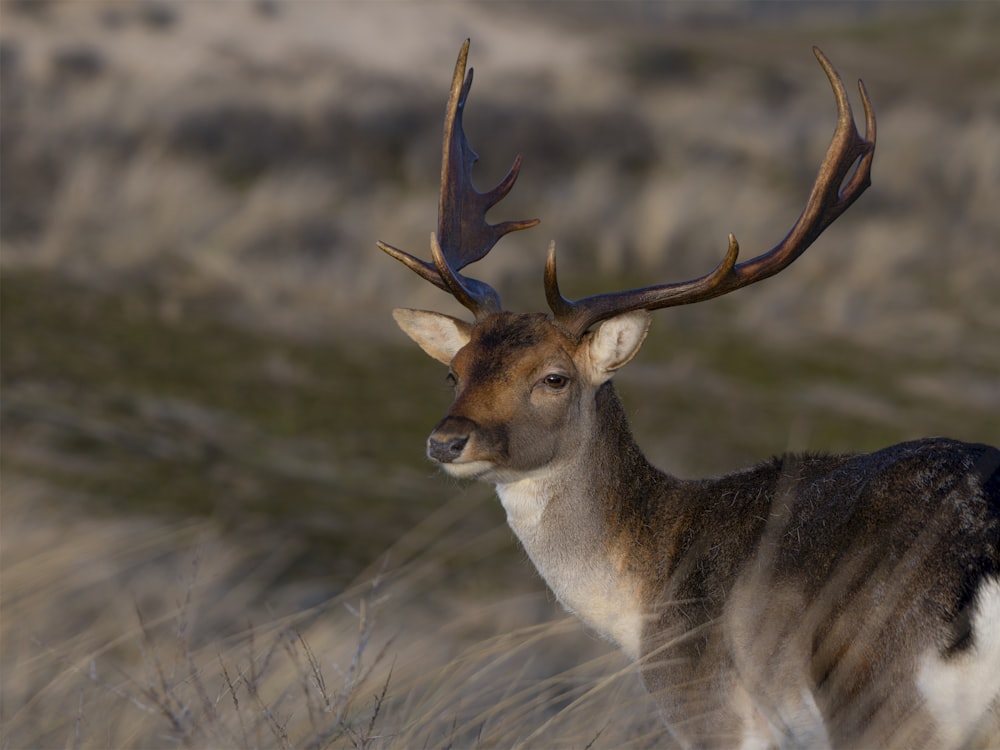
x=125, y=633
x=262, y=153
x=198, y=161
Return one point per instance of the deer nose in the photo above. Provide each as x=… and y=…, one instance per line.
x=449, y=439
x=446, y=451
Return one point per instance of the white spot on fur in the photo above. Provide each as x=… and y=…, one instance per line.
x=960, y=690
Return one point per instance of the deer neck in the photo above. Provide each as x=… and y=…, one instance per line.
x=569, y=517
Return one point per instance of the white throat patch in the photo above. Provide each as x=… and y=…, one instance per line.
x=581, y=576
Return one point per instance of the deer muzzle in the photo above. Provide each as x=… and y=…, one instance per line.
x=448, y=440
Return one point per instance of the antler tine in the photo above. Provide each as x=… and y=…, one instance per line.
x=464, y=236
x=829, y=198
x=577, y=317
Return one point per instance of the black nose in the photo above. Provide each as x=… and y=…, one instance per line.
x=449, y=439
x=446, y=451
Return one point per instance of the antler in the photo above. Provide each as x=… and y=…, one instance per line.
x=829, y=198
x=464, y=236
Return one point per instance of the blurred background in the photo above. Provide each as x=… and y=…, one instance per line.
x=209, y=419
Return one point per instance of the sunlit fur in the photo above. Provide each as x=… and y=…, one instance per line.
x=808, y=601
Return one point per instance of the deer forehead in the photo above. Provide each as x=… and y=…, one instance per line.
x=507, y=347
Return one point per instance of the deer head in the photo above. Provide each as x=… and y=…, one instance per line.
x=524, y=382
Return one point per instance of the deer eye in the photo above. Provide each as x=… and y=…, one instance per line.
x=451, y=379
x=555, y=382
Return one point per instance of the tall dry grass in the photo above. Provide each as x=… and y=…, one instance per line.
x=240, y=160
x=259, y=154
x=131, y=633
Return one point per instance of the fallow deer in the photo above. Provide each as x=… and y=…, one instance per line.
x=807, y=601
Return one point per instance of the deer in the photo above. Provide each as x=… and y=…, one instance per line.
x=810, y=600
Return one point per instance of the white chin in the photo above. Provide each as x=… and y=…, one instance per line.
x=468, y=469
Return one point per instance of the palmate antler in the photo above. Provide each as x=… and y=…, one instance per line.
x=829, y=198
x=466, y=237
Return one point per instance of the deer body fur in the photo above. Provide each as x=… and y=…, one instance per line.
x=790, y=602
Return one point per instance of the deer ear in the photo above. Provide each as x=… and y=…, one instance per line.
x=615, y=342
x=441, y=336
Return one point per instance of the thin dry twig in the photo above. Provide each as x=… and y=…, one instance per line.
x=234, y=694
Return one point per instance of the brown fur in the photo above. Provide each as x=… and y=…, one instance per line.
x=808, y=601
x=821, y=576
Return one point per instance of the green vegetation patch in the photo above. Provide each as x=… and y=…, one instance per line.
x=143, y=413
